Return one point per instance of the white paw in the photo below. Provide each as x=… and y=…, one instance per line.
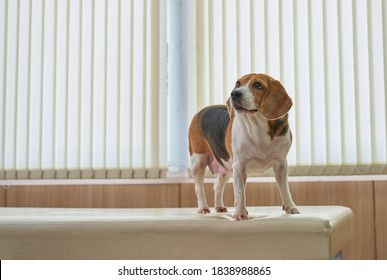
x=204, y=210
x=291, y=210
x=220, y=209
x=241, y=215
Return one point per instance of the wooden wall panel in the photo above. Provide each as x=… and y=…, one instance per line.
x=381, y=219
x=115, y=196
x=2, y=197
x=188, y=197
x=257, y=194
x=141, y=196
x=50, y=196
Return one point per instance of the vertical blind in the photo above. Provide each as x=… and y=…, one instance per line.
x=331, y=57
x=83, y=83
x=82, y=88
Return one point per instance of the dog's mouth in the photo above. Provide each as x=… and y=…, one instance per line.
x=243, y=109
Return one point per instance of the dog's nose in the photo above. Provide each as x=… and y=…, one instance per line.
x=236, y=94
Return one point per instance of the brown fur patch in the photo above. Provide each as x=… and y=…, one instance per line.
x=278, y=127
x=197, y=143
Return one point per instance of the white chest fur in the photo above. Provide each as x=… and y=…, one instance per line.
x=253, y=148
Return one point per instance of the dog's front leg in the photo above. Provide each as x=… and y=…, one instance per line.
x=281, y=177
x=239, y=180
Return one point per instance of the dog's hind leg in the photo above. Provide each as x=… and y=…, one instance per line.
x=219, y=185
x=198, y=167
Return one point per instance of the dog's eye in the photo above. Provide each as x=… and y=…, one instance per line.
x=258, y=85
x=237, y=84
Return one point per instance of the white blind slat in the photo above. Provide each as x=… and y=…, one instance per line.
x=243, y=37
x=230, y=45
x=48, y=98
x=86, y=81
x=126, y=68
x=138, y=85
x=378, y=83
x=273, y=38
x=3, y=69
x=362, y=80
x=347, y=85
x=112, y=87
x=73, y=88
x=61, y=77
x=99, y=89
x=317, y=72
x=333, y=82
x=288, y=63
x=22, y=93
x=10, y=85
x=302, y=108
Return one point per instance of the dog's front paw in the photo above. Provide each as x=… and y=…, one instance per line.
x=204, y=210
x=290, y=210
x=220, y=209
x=241, y=215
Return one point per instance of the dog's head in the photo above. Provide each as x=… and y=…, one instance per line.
x=255, y=93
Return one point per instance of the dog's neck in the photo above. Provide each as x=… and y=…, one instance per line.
x=255, y=126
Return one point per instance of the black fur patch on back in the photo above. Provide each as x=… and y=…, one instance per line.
x=213, y=125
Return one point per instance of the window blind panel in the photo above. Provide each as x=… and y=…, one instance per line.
x=61, y=77
x=3, y=65
x=243, y=37
x=347, y=85
x=302, y=90
x=317, y=87
x=258, y=32
x=83, y=84
x=48, y=87
x=10, y=85
x=333, y=83
x=362, y=79
x=273, y=38
x=83, y=89
x=125, y=83
x=112, y=86
x=99, y=88
x=74, y=82
x=155, y=89
x=202, y=34
x=86, y=80
x=23, y=78
x=378, y=83
x=138, y=85
x=162, y=90
x=288, y=64
x=192, y=58
x=325, y=53
x=35, y=87
x=151, y=85
x=230, y=68
x=216, y=51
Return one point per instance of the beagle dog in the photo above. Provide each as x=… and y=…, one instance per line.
x=251, y=133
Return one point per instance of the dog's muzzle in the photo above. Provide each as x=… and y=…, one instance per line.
x=236, y=94
x=237, y=102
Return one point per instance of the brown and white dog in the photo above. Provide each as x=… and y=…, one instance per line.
x=251, y=133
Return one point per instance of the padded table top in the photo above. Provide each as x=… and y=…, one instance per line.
x=319, y=232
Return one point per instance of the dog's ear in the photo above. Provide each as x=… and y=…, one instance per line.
x=230, y=109
x=276, y=102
